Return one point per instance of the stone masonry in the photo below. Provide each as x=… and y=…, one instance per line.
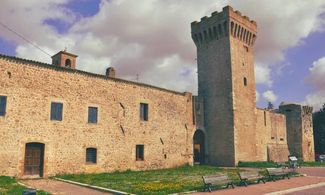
x=221, y=126
x=30, y=88
x=235, y=129
x=299, y=130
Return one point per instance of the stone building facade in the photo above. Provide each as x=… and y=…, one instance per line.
x=235, y=130
x=56, y=119
x=30, y=89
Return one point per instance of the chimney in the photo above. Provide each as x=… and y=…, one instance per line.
x=110, y=72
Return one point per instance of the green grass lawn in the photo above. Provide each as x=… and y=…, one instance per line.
x=165, y=181
x=313, y=164
x=258, y=164
x=9, y=186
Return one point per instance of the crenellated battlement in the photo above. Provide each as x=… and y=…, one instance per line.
x=306, y=110
x=222, y=24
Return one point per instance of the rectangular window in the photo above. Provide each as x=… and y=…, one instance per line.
x=56, y=111
x=144, y=112
x=92, y=114
x=91, y=155
x=3, y=105
x=139, y=152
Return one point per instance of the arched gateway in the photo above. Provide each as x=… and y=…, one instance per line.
x=34, y=159
x=198, y=147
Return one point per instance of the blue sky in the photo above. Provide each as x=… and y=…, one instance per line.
x=151, y=39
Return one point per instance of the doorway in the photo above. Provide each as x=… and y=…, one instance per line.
x=198, y=147
x=34, y=159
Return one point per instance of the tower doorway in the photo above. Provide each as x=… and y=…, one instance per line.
x=198, y=147
x=34, y=159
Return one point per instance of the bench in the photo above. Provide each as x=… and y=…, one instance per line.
x=277, y=172
x=219, y=179
x=249, y=176
x=282, y=164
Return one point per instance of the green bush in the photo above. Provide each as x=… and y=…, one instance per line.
x=257, y=164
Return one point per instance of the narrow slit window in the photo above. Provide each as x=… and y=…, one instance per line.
x=144, y=109
x=139, y=152
x=91, y=155
x=245, y=81
x=220, y=30
x=3, y=105
x=225, y=28
x=210, y=34
x=215, y=33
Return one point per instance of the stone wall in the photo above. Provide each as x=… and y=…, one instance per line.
x=308, y=152
x=299, y=130
x=30, y=88
x=271, y=141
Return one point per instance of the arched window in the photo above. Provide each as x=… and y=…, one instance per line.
x=245, y=81
x=91, y=155
x=68, y=63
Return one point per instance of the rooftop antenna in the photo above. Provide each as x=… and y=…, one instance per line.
x=25, y=39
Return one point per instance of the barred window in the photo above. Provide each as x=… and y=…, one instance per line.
x=91, y=155
x=56, y=111
x=3, y=105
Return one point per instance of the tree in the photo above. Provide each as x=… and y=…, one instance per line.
x=319, y=130
x=270, y=106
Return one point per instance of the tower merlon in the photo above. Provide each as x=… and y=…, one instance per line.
x=222, y=24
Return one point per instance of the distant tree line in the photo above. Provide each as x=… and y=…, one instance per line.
x=319, y=130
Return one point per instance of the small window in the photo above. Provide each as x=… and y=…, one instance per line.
x=144, y=112
x=91, y=155
x=92, y=114
x=272, y=137
x=68, y=63
x=246, y=48
x=281, y=139
x=245, y=81
x=139, y=152
x=56, y=111
x=3, y=105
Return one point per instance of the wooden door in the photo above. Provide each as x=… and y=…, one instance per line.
x=34, y=155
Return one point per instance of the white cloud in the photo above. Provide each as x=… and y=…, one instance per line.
x=316, y=99
x=151, y=38
x=270, y=96
x=280, y=26
x=262, y=75
x=257, y=96
x=317, y=74
x=316, y=79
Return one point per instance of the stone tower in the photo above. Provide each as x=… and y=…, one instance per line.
x=224, y=44
x=299, y=130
